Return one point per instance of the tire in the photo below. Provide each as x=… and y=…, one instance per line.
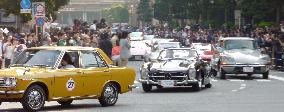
x=197, y=86
x=213, y=72
x=265, y=75
x=34, y=98
x=65, y=103
x=222, y=74
x=209, y=85
x=109, y=95
x=146, y=87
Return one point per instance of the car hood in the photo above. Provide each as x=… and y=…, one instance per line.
x=172, y=65
x=21, y=71
x=244, y=55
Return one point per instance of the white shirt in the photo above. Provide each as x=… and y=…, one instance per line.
x=93, y=27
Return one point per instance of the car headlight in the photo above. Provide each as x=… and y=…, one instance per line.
x=144, y=73
x=227, y=60
x=10, y=81
x=265, y=60
x=191, y=73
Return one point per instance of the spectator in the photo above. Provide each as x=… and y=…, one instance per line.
x=105, y=44
x=124, y=48
x=9, y=51
x=93, y=27
x=102, y=24
x=116, y=53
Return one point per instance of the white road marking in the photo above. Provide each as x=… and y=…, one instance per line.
x=243, y=85
x=136, y=82
x=236, y=80
x=263, y=80
x=234, y=90
x=242, y=88
x=276, y=77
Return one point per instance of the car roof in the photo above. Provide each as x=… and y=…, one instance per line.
x=237, y=38
x=63, y=48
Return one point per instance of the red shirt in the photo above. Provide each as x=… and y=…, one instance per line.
x=116, y=50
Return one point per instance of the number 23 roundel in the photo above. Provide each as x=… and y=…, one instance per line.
x=70, y=85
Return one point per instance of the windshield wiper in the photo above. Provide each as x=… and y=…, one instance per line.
x=41, y=65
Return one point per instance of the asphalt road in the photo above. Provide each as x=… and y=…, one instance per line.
x=236, y=94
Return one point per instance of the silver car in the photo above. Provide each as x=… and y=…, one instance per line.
x=239, y=55
x=175, y=67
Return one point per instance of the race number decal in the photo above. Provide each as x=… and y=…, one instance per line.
x=70, y=85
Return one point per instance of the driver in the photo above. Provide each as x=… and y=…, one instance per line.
x=66, y=62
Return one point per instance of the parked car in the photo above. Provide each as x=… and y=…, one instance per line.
x=175, y=67
x=37, y=76
x=239, y=55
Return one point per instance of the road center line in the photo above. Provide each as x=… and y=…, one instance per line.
x=236, y=80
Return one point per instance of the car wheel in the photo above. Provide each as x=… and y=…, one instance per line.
x=65, y=103
x=109, y=95
x=222, y=74
x=209, y=85
x=160, y=87
x=265, y=75
x=213, y=72
x=197, y=86
x=34, y=98
x=147, y=87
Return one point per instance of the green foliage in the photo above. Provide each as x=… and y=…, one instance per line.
x=118, y=13
x=264, y=24
x=144, y=11
x=13, y=6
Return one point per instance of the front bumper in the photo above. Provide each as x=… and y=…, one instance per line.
x=176, y=83
x=11, y=96
x=238, y=69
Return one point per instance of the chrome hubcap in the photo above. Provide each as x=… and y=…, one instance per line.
x=110, y=94
x=35, y=99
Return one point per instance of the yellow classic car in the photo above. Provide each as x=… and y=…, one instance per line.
x=63, y=74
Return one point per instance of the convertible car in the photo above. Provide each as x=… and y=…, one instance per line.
x=37, y=76
x=175, y=67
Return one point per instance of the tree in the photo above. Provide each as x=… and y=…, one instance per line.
x=119, y=13
x=13, y=6
x=144, y=11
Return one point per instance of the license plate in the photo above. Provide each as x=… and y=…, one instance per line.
x=137, y=57
x=248, y=69
x=167, y=83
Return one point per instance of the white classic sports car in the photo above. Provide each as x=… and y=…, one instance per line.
x=139, y=50
x=175, y=67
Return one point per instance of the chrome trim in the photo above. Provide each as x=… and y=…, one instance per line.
x=176, y=83
x=12, y=92
x=244, y=65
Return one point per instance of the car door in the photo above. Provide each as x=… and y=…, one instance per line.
x=95, y=71
x=68, y=82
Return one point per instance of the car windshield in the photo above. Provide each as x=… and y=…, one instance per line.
x=240, y=44
x=136, y=34
x=43, y=58
x=168, y=45
x=177, y=54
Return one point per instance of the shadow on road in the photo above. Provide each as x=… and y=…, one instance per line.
x=58, y=108
x=243, y=77
x=176, y=90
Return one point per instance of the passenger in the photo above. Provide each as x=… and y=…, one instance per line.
x=66, y=62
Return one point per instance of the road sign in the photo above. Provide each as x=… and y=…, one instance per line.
x=38, y=9
x=40, y=21
x=25, y=6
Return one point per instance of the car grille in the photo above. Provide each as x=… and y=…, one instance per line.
x=2, y=82
x=179, y=76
